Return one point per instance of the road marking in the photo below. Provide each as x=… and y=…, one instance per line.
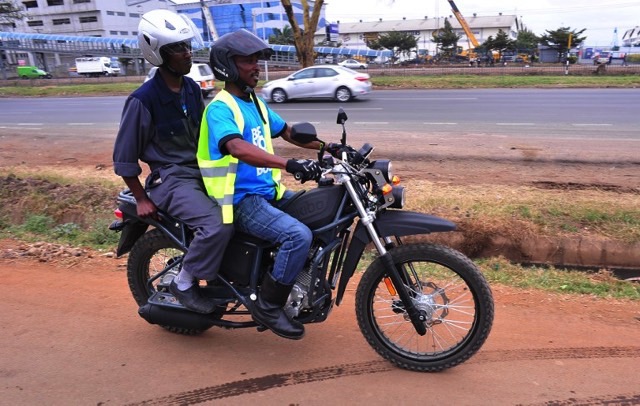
x=440, y=123
x=518, y=124
x=371, y=122
x=350, y=109
x=310, y=122
x=591, y=125
x=30, y=124
x=80, y=123
x=21, y=128
x=427, y=98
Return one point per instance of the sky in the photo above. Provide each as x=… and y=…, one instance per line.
x=599, y=17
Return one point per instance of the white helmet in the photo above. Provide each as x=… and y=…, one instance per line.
x=159, y=28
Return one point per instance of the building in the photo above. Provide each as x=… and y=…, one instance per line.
x=258, y=16
x=118, y=20
x=90, y=18
x=631, y=37
x=83, y=18
x=355, y=35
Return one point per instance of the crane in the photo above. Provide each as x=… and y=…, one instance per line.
x=464, y=25
x=469, y=53
x=467, y=30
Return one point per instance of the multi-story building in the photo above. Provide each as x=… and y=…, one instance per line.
x=90, y=18
x=258, y=16
x=117, y=20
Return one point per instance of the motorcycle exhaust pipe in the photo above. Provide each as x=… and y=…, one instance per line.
x=175, y=317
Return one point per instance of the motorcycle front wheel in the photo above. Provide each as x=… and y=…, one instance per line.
x=152, y=255
x=451, y=295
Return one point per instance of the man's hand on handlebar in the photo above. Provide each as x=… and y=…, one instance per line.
x=304, y=169
x=336, y=151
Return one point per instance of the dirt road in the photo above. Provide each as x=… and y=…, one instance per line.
x=464, y=159
x=71, y=335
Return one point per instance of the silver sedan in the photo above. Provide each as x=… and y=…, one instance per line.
x=321, y=81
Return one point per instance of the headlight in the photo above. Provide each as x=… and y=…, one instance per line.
x=384, y=166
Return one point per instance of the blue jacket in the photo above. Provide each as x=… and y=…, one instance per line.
x=156, y=129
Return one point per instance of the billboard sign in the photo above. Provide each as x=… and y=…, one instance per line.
x=332, y=32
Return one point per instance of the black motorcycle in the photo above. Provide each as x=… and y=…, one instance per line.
x=422, y=306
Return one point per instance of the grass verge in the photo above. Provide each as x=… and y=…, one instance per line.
x=51, y=208
x=379, y=81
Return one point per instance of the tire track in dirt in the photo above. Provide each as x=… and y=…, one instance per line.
x=260, y=384
x=618, y=400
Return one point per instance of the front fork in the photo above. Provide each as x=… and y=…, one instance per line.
x=367, y=219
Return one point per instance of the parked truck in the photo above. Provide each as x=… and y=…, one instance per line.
x=32, y=72
x=97, y=66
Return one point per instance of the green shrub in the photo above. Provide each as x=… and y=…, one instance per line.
x=38, y=224
x=66, y=231
x=635, y=58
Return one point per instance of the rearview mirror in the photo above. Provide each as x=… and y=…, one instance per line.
x=304, y=133
x=342, y=116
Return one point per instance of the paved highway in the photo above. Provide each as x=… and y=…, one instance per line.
x=568, y=113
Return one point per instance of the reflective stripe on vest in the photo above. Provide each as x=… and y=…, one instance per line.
x=219, y=176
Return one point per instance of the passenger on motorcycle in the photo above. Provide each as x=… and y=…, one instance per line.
x=160, y=126
x=241, y=171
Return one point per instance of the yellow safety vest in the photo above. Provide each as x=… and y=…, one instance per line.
x=219, y=175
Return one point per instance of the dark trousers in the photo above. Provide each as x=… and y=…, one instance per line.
x=181, y=193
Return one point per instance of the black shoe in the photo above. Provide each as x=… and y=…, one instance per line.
x=192, y=299
x=268, y=310
x=274, y=318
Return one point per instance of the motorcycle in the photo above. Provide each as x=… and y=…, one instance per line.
x=420, y=305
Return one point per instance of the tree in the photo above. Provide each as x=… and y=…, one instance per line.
x=500, y=43
x=10, y=12
x=559, y=40
x=527, y=40
x=284, y=37
x=396, y=41
x=447, y=40
x=303, y=39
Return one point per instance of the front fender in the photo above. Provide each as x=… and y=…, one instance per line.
x=388, y=223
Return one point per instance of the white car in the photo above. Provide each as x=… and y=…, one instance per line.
x=320, y=81
x=201, y=73
x=353, y=64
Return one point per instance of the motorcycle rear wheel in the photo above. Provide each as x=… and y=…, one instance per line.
x=449, y=291
x=150, y=255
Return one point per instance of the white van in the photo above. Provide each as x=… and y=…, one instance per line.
x=200, y=72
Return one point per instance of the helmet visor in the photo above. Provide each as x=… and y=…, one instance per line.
x=196, y=40
x=181, y=47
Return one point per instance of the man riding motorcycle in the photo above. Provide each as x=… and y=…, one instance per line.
x=159, y=126
x=241, y=171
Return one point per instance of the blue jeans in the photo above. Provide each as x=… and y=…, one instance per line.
x=256, y=216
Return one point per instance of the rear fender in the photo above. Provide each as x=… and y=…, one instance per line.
x=131, y=231
x=388, y=223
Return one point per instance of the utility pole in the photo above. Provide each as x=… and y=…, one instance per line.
x=566, y=71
